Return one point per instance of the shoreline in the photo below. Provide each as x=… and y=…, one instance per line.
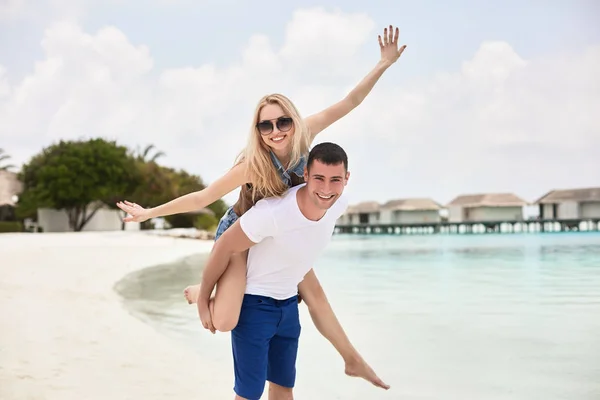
x=70, y=336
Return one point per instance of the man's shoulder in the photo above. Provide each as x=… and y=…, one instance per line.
x=280, y=209
x=341, y=204
x=343, y=201
x=274, y=203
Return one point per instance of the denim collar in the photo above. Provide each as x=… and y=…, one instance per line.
x=298, y=169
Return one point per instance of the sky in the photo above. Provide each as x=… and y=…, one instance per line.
x=483, y=100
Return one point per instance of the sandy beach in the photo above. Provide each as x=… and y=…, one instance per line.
x=65, y=334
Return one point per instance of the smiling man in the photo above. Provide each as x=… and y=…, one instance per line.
x=285, y=236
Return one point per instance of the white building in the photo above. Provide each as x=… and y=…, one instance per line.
x=365, y=213
x=487, y=207
x=410, y=211
x=570, y=204
x=105, y=219
x=10, y=187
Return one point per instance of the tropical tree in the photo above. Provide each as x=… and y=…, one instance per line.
x=145, y=156
x=3, y=158
x=80, y=177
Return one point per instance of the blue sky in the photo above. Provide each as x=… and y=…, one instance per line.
x=440, y=34
x=483, y=99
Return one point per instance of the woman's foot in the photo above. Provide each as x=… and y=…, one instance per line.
x=191, y=293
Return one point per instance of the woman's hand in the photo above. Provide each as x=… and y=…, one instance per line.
x=136, y=212
x=389, y=46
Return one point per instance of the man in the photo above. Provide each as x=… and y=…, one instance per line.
x=284, y=236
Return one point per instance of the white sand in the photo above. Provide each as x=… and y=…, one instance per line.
x=64, y=334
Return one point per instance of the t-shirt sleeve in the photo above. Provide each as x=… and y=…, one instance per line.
x=258, y=222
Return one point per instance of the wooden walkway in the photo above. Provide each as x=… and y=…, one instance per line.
x=472, y=227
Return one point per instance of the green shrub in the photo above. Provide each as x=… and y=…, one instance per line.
x=10, y=226
x=206, y=222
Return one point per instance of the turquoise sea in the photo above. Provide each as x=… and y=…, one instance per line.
x=514, y=316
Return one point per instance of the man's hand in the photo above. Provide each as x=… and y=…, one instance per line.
x=359, y=368
x=328, y=325
x=205, y=309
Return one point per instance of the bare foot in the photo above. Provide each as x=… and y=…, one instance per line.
x=360, y=369
x=191, y=293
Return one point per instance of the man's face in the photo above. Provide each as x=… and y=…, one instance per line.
x=325, y=183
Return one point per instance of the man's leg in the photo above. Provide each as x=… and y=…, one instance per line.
x=250, y=344
x=283, y=350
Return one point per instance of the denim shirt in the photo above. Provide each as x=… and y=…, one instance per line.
x=285, y=174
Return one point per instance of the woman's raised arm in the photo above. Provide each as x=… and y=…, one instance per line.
x=389, y=55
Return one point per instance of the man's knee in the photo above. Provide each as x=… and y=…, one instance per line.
x=277, y=392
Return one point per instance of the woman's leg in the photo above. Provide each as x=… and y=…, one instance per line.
x=229, y=294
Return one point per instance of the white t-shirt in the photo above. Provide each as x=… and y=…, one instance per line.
x=288, y=244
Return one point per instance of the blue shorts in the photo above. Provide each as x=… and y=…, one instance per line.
x=265, y=344
x=226, y=221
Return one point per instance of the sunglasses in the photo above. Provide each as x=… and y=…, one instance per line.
x=283, y=124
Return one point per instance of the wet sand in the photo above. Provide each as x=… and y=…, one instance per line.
x=65, y=334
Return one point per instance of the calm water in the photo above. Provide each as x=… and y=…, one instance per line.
x=438, y=317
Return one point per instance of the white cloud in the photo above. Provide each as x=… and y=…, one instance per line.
x=498, y=122
x=324, y=44
x=4, y=86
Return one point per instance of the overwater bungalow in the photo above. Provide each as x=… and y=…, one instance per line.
x=365, y=213
x=487, y=207
x=570, y=204
x=410, y=211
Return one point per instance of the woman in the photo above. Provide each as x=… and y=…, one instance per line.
x=273, y=161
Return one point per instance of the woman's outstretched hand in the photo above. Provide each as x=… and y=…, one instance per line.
x=390, y=52
x=136, y=213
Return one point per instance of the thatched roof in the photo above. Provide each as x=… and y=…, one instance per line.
x=9, y=186
x=364, y=207
x=416, y=204
x=488, y=200
x=579, y=195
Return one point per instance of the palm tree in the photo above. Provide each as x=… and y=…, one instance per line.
x=143, y=155
x=3, y=158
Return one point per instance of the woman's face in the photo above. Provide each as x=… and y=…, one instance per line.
x=275, y=127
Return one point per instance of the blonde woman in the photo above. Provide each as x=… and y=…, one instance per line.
x=272, y=161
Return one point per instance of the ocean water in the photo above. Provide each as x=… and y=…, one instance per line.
x=513, y=316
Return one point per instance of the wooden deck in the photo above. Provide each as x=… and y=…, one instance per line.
x=473, y=227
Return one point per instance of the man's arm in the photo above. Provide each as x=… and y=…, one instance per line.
x=252, y=227
x=328, y=325
x=232, y=241
x=323, y=316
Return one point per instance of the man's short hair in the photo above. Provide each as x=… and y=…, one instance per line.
x=328, y=153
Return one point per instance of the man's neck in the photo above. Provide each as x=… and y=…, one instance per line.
x=307, y=208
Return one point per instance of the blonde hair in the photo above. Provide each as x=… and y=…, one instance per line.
x=266, y=181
